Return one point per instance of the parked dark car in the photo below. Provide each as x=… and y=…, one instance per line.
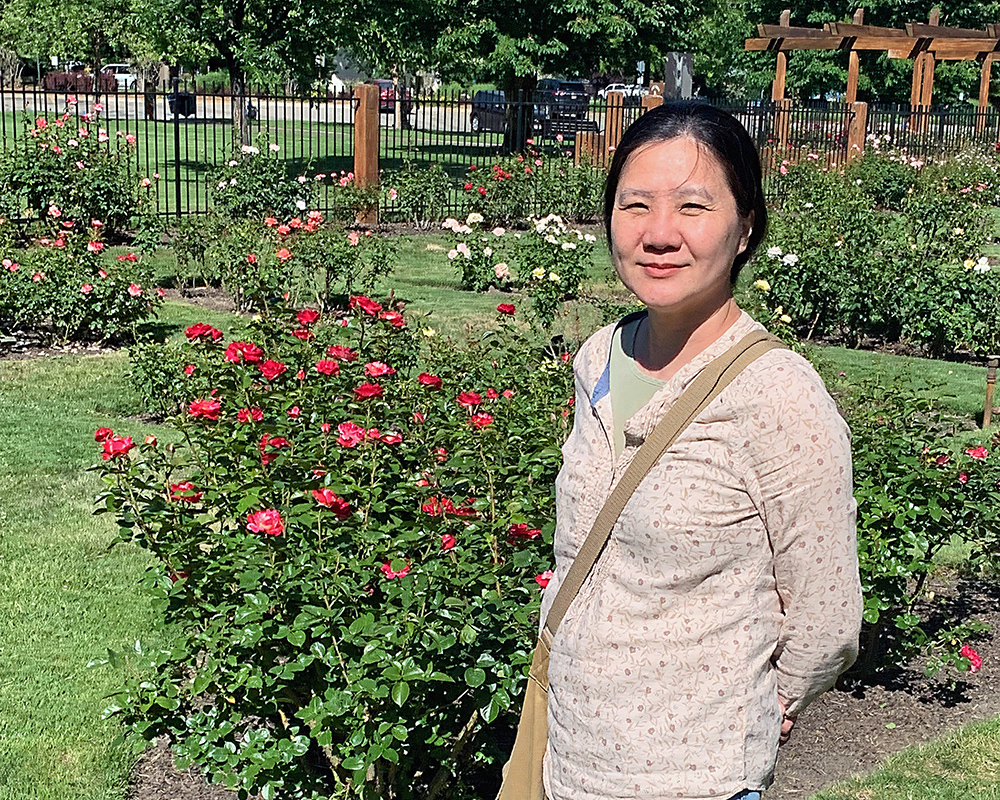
x=387, y=97
x=561, y=99
x=489, y=113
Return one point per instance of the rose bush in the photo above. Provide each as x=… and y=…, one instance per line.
x=553, y=261
x=918, y=250
x=480, y=254
x=351, y=536
x=72, y=164
x=63, y=285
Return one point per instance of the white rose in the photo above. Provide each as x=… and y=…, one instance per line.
x=774, y=252
x=554, y=278
x=763, y=285
x=452, y=255
x=487, y=251
x=538, y=272
x=473, y=218
x=790, y=260
x=498, y=231
x=569, y=245
x=300, y=205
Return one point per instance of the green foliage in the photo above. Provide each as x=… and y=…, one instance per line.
x=69, y=169
x=347, y=582
x=63, y=287
x=913, y=498
x=892, y=228
x=419, y=195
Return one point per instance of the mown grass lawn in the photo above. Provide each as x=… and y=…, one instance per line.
x=67, y=598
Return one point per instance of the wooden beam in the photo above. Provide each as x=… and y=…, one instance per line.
x=786, y=32
x=854, y=29
x=920, y=30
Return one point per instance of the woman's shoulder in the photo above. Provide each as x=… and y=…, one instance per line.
x=782, y=390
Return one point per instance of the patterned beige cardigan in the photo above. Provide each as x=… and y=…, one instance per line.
x=731, y=577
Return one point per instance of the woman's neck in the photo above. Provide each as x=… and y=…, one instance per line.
x=667, y=341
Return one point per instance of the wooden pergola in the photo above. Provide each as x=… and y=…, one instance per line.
x=924, y=43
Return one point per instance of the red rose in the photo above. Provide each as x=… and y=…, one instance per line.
x=468, y=399
x=303, y=334
x=202, y=331
x=376, y=369
x=251, y=258
x=327, y=367
x=491, y=394
x=369, y=306
x=506, y=308
x=508, y=393
x=268, y=522
x=300, y=375
x=176, y=576
x=372, y=433
x=419, y=418
x=209, y=409
x=350, y=434
x=448, y=541
x=388, y=571
x=266, y=456
x=975, y=660
x=103, y=434
x=521, y=532
x=270, y=221
x=367, y=390
x=247, y=414
x=431, y=381
x=326, y=498
x=391, y=438
x=238, y=352
x=441, y=454
x=942, y=460
x=467, y=187
x=116, y=447
x=272, y=369
x=543, y=578
x=481, y=420
x=150, y=440
x=482, y=191
x=189, y=369
x=341, y=353
x=294, y=412
x=394, y=318
x=436, y=507
x=184, y=493
x=284, y=254
x=978, y=453
x=307, y=316
x=325, y=427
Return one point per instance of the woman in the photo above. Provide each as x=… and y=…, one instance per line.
x=727, y=596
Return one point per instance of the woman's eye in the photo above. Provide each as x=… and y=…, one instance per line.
x=635, y=206
x=692, y=207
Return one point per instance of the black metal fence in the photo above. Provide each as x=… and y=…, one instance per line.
x=182, y=136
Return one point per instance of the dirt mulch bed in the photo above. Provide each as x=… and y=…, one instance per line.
x=847, y=731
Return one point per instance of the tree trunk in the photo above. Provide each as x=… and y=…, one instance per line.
x=520, y=96
x=238, y=97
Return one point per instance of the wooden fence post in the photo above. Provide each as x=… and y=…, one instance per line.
x=366, y=145
x=856, y=131
x=614, y=122
x=984, y=93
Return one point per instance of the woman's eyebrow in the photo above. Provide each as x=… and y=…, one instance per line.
x=680, y=191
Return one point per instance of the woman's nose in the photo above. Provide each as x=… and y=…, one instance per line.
x=661, y=231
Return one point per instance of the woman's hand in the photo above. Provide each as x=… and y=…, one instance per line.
x=787, y=723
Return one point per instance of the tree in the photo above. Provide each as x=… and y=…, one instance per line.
x=255, y=39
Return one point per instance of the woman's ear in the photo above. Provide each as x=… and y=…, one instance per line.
x=745, y=233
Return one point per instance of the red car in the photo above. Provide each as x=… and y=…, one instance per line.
x=387, y=97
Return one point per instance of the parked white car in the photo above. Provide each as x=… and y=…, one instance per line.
x=627, y=89
x=127, y=79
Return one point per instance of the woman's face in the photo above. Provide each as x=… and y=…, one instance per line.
x=675, y=229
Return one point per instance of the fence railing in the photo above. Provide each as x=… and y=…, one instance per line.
x=183, y=137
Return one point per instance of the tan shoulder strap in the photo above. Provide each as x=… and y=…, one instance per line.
x=702, y=391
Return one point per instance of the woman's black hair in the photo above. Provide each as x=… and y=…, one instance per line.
x=725, y=138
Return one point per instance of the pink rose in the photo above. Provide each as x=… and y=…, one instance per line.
x=268, y=522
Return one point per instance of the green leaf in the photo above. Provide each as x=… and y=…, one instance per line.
x=475, y=677
x=353, y=763
x=400, y=691
x=297, y=638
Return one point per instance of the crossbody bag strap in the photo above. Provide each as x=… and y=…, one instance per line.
x=702, y=391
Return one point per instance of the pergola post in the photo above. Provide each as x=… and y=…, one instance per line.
x=854, y=64
x=781, y=68
x=984, y=93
